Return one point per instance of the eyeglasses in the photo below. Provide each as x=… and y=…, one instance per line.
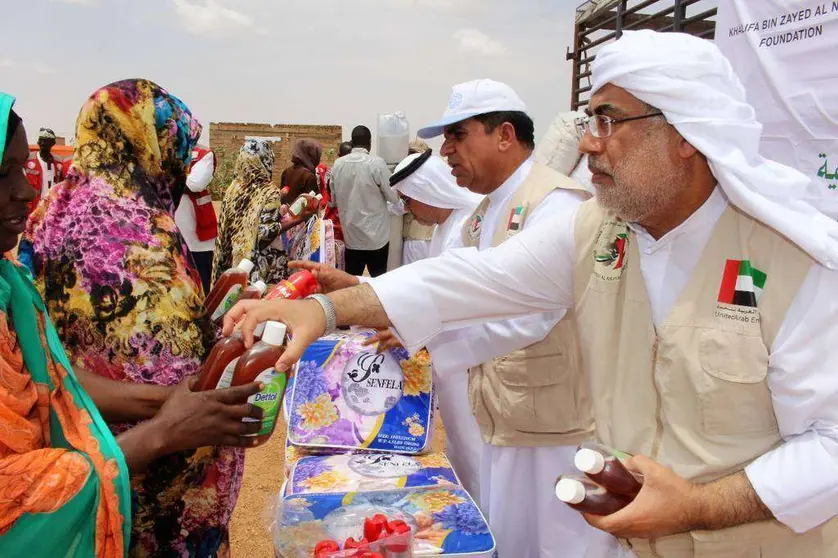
x=601, y=126
x=405, y=199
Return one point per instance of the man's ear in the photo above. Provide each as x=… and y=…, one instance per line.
x=506, y=136
x=686, y=150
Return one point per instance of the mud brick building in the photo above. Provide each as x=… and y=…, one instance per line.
x=229, y=136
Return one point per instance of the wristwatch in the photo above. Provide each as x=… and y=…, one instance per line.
x=328, y=309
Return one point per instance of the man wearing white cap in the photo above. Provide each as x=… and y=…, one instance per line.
x=704, y=293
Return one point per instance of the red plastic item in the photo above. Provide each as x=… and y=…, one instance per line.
x=395, y=528
x=299, y=285
x=374, y=527
x=352, y=543
x=325, y=548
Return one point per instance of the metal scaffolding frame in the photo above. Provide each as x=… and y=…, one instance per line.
x=599, y=22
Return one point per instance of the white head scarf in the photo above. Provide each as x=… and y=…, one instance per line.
x=433, y=184
x=694, y=85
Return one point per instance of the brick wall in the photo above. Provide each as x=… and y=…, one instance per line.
x=230, y=135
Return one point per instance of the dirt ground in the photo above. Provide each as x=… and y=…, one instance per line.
x=263, y=477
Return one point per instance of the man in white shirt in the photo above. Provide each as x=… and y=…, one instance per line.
x=703, y=290
x=199, y=240
x=489, y=145
x=360, y=183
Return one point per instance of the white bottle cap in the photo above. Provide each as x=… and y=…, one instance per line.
x=259, y=330
x=589, y=461
x=570, y=491
x=274, y=333
x=261, y=286
x=246, y=265
x=319, y=196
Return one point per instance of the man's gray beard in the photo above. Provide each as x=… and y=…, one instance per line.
x=652, y=193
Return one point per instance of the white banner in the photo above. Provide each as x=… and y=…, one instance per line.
x=786, y=54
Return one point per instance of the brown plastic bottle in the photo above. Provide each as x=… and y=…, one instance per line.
x=217, y=370
x=584, y=495
x=603, y=466
x=254, y=291
x=257, y=365
x=227, y=289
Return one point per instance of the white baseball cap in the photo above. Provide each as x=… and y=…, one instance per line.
x=472, y=98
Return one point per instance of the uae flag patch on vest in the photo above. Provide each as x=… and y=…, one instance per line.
x=742, y=284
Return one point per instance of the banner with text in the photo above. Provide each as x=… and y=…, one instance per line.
x=786, y=54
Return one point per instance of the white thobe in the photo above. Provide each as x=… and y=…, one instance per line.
x=533, y=272
x=506, y=481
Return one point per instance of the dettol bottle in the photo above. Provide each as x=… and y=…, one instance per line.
x=227, y=289
x=257, y=365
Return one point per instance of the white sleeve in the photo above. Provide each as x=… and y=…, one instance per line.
x=201, y=174
x=798, y=481
x=530, y=273
x=464, y=348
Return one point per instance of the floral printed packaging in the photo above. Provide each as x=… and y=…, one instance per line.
x=368, y=472
x=444, y=520
x=347, y=396
x=314, y=241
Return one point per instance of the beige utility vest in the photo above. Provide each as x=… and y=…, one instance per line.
x=691, y=394
x=536, y=396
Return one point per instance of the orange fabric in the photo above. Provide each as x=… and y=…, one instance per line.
x=33, y=477
x=75, y=422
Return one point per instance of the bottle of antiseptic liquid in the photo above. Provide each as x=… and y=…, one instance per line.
x=257, y=365
x=227, y=289
x=584, y=495
x=217, y=370
x=603, y=466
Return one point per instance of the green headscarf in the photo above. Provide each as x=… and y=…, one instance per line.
x=6, y=104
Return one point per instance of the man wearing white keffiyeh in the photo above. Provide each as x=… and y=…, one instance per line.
x=704, y=295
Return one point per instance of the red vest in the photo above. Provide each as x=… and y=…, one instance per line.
x=34, y=173
x=206, y=222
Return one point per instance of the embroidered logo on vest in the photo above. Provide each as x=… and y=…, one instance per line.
x=739, y=292
x=516, y=218
x=475, y=226
x=609, y=251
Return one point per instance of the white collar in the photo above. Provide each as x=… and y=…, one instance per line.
x=700, y=222
x=511, y=184
x=360, y=150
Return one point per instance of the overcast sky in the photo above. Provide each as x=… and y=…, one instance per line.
x=285, y=61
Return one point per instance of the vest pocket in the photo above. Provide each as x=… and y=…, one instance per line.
x=537, y=393
x=733, y=394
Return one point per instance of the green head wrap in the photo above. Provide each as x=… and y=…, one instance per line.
x=6, y=104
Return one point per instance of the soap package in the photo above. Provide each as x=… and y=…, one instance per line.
x=369, y=472
x=347, y=396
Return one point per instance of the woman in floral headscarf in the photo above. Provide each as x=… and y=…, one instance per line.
x=250, y=221
x=126, y=301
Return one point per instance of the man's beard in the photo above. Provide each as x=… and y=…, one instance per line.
x=653, y=178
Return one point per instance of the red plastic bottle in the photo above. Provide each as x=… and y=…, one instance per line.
x=227, y=289
x=299, y=285
x=254, y=291
x=257, y=365
x=584, y=495
x=603, y=466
